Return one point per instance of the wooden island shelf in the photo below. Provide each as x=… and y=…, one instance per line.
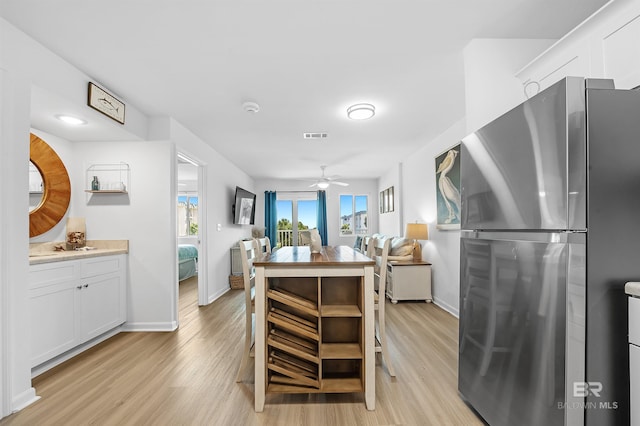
x=314, y=323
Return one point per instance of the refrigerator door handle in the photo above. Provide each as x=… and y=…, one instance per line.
x=539, y=236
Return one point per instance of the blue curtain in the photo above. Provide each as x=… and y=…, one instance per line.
x=322, y=217
x=270, y=216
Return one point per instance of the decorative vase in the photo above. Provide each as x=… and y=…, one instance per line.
x=316, y=241
x=95, y=184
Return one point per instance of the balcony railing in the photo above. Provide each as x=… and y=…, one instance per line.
x=285, y=237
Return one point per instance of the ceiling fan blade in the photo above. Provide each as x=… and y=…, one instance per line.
x=313, y=184
x=335, y=182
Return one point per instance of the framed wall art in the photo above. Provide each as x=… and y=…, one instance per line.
x=100, y=100
x=387, y=200
x=448, y=189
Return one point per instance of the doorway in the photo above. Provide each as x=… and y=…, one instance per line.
x=191, y=234
x=296, y=212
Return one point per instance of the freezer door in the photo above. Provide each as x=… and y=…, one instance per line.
x=527, y=169
x=516, y=330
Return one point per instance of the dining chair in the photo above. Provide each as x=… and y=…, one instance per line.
x=304, y=238
x=378, y=250
x=364, y=244
x=263, y=246
x=248, y=253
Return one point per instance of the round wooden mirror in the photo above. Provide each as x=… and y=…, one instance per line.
x=36, y=187
x=57, y=188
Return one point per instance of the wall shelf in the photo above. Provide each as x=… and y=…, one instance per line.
x=112, y=178
x=106, y=191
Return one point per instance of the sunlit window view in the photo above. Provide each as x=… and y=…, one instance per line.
x=187, y=215
x=302, y=213
x=353, y=215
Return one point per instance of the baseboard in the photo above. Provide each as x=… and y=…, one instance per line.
x=218, y=294
x=453, y=311
x=23, y=400
x=150, y=326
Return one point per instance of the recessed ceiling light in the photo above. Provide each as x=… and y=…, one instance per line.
x=71, y=120
x=361, y=111
x=251, y=107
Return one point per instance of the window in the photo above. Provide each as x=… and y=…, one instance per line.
x=353, y=215
x=187, y=215
x=297, y=211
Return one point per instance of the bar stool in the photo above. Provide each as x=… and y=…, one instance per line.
x=248, y=252
x=378, y=250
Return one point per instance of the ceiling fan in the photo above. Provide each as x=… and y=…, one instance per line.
x=324, y=181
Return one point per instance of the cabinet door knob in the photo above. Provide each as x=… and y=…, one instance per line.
x=86, y=285
x=79, y=287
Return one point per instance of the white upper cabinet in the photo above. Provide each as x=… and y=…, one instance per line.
x=604, y=46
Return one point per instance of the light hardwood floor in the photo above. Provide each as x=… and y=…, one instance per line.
x=187, y=377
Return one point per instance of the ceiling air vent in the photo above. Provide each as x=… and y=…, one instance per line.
x=315, y=135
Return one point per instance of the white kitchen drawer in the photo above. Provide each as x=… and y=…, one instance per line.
x=100, y=265
x=47, y=274
x=634, y=320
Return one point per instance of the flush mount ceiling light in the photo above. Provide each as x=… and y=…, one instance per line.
x=251, y=107
x=71, y=119
x=361, y=111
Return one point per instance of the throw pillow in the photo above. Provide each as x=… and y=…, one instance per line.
x=401, y=247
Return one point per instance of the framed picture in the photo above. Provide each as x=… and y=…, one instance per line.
x=100, y=100
x=386, y=200
x=448, y=189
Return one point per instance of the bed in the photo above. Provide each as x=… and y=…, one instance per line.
x=187, y=261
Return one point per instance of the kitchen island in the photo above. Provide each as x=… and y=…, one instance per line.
x=314, y=323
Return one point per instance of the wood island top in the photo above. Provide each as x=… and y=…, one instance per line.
x=302, y=256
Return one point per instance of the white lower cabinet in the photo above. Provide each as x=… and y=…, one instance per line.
x=74, y=301
x=409, y=281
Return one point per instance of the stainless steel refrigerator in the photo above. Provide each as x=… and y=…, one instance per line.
x=550, y=220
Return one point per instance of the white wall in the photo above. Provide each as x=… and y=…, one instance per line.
x=221, y=179
x=143, y=216
x=442, y=249
x=391, y=223
x=491, y=88
x=15, y=370
x=366, y=187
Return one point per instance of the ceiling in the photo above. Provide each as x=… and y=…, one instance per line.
x=303, y=62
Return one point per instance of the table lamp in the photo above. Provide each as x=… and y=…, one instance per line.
x=415, y=232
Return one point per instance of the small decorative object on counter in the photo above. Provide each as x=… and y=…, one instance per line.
x=95, y=184
x=76, y=231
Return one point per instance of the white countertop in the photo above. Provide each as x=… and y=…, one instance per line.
x=632, y=289
x=45, y=252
